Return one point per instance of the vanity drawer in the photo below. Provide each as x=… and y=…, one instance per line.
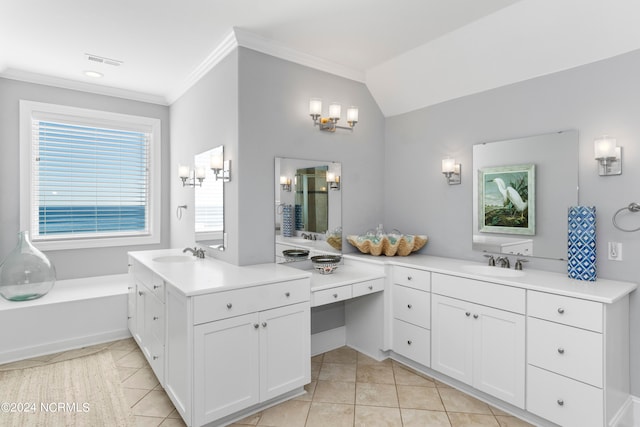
x=412, y=342
x=412, y=278
x=149, y=279
x=221, y=305
x=562, y=400
x=329, y=296
x=566, y=350
x=368, y=287
x=566, y=310
x=412, y=305
x=502, y=297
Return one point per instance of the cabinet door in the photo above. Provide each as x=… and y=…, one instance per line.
x=226, y=367
x=451, y=338
x=499, y=353
x=285, y=349
x=131, y=307
x=138, y=331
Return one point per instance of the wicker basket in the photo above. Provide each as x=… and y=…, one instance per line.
x=388, y=245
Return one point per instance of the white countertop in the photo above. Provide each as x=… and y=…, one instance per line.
x=202, y=276
x=602, y=290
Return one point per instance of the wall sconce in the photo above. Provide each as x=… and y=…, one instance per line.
x=285, y=183
x=221, y=168
x=189, y=176
x=330, y=123
x=451, y=171
x=333, y=180
x=608, y=155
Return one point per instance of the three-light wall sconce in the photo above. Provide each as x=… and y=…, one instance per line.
x=194, y=177
x=608, y=155
x=330, y=123
x=451, y=171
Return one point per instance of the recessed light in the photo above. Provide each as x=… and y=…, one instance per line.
x=94, y=74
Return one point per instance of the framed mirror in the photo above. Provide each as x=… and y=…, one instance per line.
x=209, y=202
x=522, y=189
x=308, y=203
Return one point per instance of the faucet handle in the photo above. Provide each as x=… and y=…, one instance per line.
x=492, y=260
x=519, y=262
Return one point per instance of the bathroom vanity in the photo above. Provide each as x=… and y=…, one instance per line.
x=226, y=341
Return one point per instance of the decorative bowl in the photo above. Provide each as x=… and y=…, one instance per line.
x=295, y=254
x=325, y=264
x=389, y=245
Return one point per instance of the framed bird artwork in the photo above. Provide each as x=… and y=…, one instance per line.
x=507, y=199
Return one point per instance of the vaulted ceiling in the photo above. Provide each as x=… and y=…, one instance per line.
x=410, y=53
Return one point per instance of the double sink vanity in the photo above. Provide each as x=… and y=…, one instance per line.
x=226, y=341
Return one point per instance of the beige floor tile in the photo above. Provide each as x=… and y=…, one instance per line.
x=315, y=370
x=154, y=404
x=414, y=397
x=373, y=416
x=125, y=373
x=376, y=395
x=375, y=373
x=309, y=390
x=406, y=377
x=292, y=413
x=338, y=372
x=457, y=401
x=497, y=411
x=363, y=359
x=79, y=352
x=125, y=344
x=251, y=420
x=135, y=359
x=510, y=421
x=317, y=358
x=330, y=414
x=175, y=414
x=173, y=422
x=148, y=421
x=341, y=355
x=118, y=354
x=475, y=420
x=144, y=378
x=335, y=392
x=133, y=395
x=423, y=418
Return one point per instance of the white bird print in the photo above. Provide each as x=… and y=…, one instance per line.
x=502, y=188
x=510, y=193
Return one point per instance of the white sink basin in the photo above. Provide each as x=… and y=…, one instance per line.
x=486, y=270
x=175, y=258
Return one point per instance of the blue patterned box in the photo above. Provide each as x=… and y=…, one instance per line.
x=287, y=221
x=582, y=243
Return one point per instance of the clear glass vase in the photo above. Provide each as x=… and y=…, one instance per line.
x=26, y=273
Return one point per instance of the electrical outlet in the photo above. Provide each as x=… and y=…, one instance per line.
x=615, y=251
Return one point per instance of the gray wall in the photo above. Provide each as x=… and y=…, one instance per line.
x=77, y=262
x=599, y=98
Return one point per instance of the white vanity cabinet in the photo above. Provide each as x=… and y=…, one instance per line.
x=478, y=335
x=147, y=322
x=411, y=305
x=577, y=354
x=228, y=351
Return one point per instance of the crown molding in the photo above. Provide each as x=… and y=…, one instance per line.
x=26, y=76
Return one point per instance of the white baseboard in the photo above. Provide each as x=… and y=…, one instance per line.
x=328, y=340
x=628, y=415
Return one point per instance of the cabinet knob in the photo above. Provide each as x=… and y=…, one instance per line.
x=156, y=286
x=409, y=306
x=155, y=317
x=561, y=350
x=129, y=317
x=155, y=357
x=140, y=293
x=409, y=342
x=255, y=325
x=467, y=314
x=287, y=294
x=560, y=402
x=335, y=295
x=561, y=310
x=370, y=287
x=130, y=287
x=475, y=316
x=264, y=324
x=409, y=278
x=229, y=305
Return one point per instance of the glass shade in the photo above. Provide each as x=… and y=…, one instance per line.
x=605, y=147
x=335, y=111
x=352, y=114
x=183, y=171
x=448, y=165
x=26, y=273
x=315, y=106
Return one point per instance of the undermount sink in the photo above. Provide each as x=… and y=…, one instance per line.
x=174, y=258
x=486, y=270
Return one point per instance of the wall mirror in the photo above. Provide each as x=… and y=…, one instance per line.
x=209, y=203
x=522, y=189
x=308, y=203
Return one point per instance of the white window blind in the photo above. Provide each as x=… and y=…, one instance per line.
x=89, y=180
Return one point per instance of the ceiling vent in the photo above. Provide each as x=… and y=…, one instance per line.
x=103, y=60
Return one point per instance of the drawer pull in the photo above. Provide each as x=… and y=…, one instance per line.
x=335, y=295
x=467, y=314
x=264, y=324
x=561, y=310
x=130, y=287
x=156, y=286
x=409, y=342
x=287, y=294
x=370, y=287
x=409, y=306
x=256, y=326
x=155, y=357
x=475, y=316
x=561, y=350
x=140, y=293
x=560, y=402
x=229, y=305
x=409, y=278
x=129, y=317
x=155, y=317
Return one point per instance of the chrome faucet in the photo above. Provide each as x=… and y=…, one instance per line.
x=504, y=262
x=197, y=252
x=492, y=260
x=309, y=236
x=519, y=262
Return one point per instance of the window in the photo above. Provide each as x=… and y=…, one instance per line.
x=89, y=178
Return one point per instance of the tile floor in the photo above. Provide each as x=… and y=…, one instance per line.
x=347, y=389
